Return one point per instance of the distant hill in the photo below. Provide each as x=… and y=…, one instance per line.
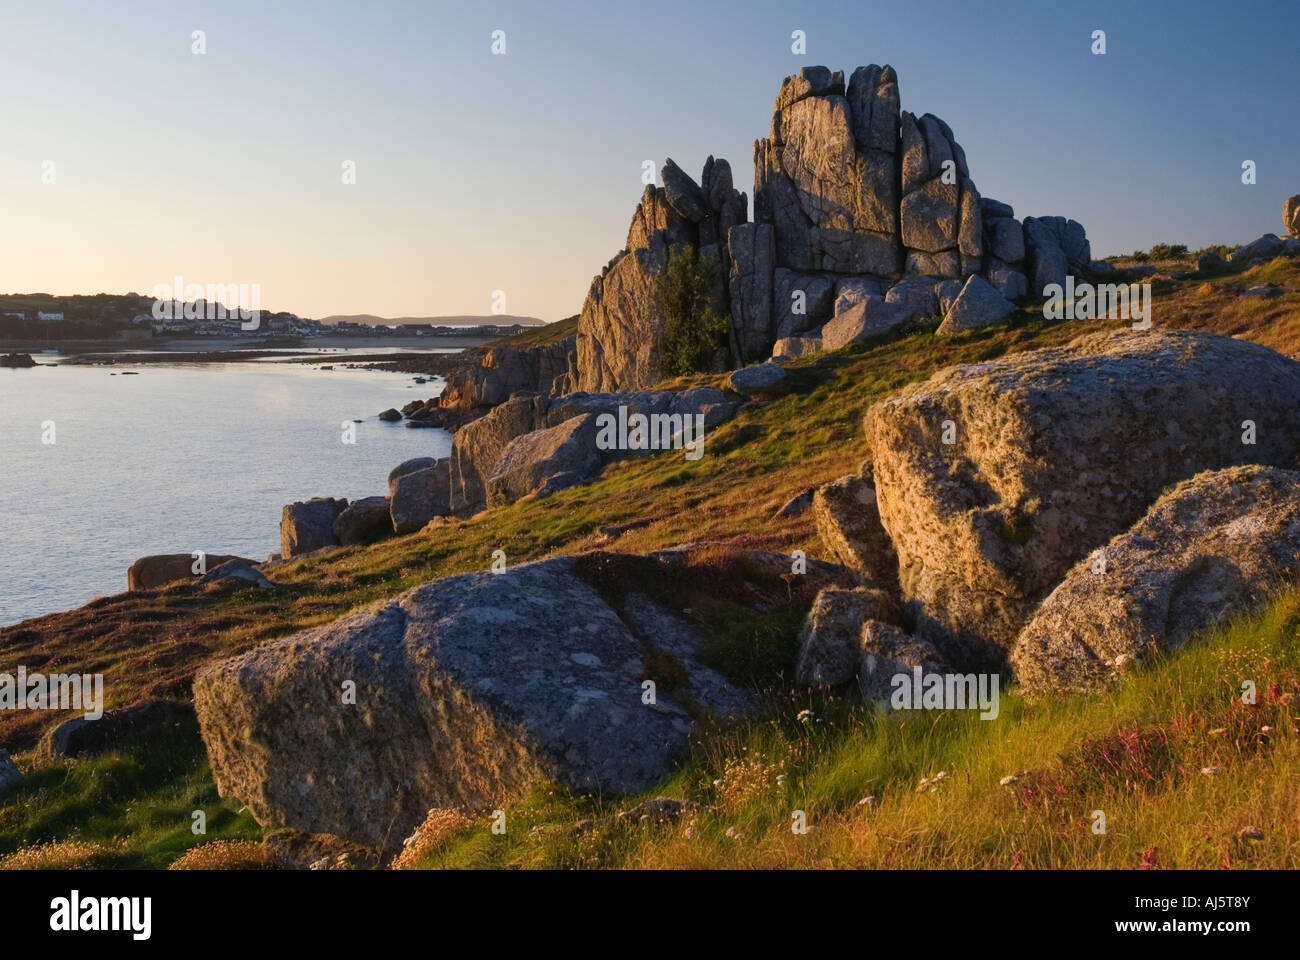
x=502, y=319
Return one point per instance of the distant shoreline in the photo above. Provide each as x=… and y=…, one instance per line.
x=341, y=349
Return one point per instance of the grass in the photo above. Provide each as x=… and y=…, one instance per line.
x=1136, y=753
x=133, y=809
x=128, y=810
x=540, y=336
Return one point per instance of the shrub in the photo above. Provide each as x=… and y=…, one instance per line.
x=1168, y=251
x=693, y=330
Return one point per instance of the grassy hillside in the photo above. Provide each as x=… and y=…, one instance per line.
x=541, y=336
x=1135, y=753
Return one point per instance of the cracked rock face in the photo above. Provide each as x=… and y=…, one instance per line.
x=826, y=178
x=468, y=690
x=1052, y=453
x=617, y=344
x=846, y=186
x=1207, y=549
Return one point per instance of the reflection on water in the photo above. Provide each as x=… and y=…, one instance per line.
x=178, y=458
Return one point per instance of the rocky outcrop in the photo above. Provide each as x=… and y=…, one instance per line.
x=792, y=348
x=1206, y=550
x=308, y=525
x=419, y=496
x=756, y=381
x=750, y=284
x=617, y=345
x=1054, y=248
x=800, y=302
x=545, y=461
x=1291, y=216
x=409, y=466
x=992, y=480
x=826, y=177
x=238, y=574
x=1257, y=251
x=830, y=646
x=467, y=691
x=978, y=305
x=479, y=447
x=886, y=651
x=506, y=370
x=363, y=520
x=942, y=226
x=158, y=569
x=851, y=194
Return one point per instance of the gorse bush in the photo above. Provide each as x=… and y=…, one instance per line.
x=694, y=329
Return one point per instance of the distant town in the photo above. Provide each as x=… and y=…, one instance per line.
x=132, y=317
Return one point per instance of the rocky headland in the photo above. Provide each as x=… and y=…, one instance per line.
x=904, y=466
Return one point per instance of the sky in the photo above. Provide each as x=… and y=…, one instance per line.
x=519, y=172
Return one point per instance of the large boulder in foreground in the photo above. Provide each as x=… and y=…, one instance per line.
x=1050, y=454
x=1207, y=549
x=468, y=690
x=308, y=525
x=158, y=569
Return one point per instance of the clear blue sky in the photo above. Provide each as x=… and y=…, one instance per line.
x=520, y=172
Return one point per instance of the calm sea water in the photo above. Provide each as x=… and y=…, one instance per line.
x=177, y=459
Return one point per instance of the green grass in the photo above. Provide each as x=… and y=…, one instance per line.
x=1135, y=752
x=132, y=809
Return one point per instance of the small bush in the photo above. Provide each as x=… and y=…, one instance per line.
x=1168, y=251
x=694, y=330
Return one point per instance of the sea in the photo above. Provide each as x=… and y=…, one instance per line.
x=101, y=465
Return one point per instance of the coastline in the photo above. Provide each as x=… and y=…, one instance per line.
x=415, y=355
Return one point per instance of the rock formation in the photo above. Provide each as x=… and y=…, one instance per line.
x=479, y=448
x=992, y=480
x=620, y=324
x=308, y=525
x=1212, y=545
x=469, y=689
x=1291, y=216
x=851, y=196
x=420, y=495
x=830, y=646
x=506, y=370
x=362, y=521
